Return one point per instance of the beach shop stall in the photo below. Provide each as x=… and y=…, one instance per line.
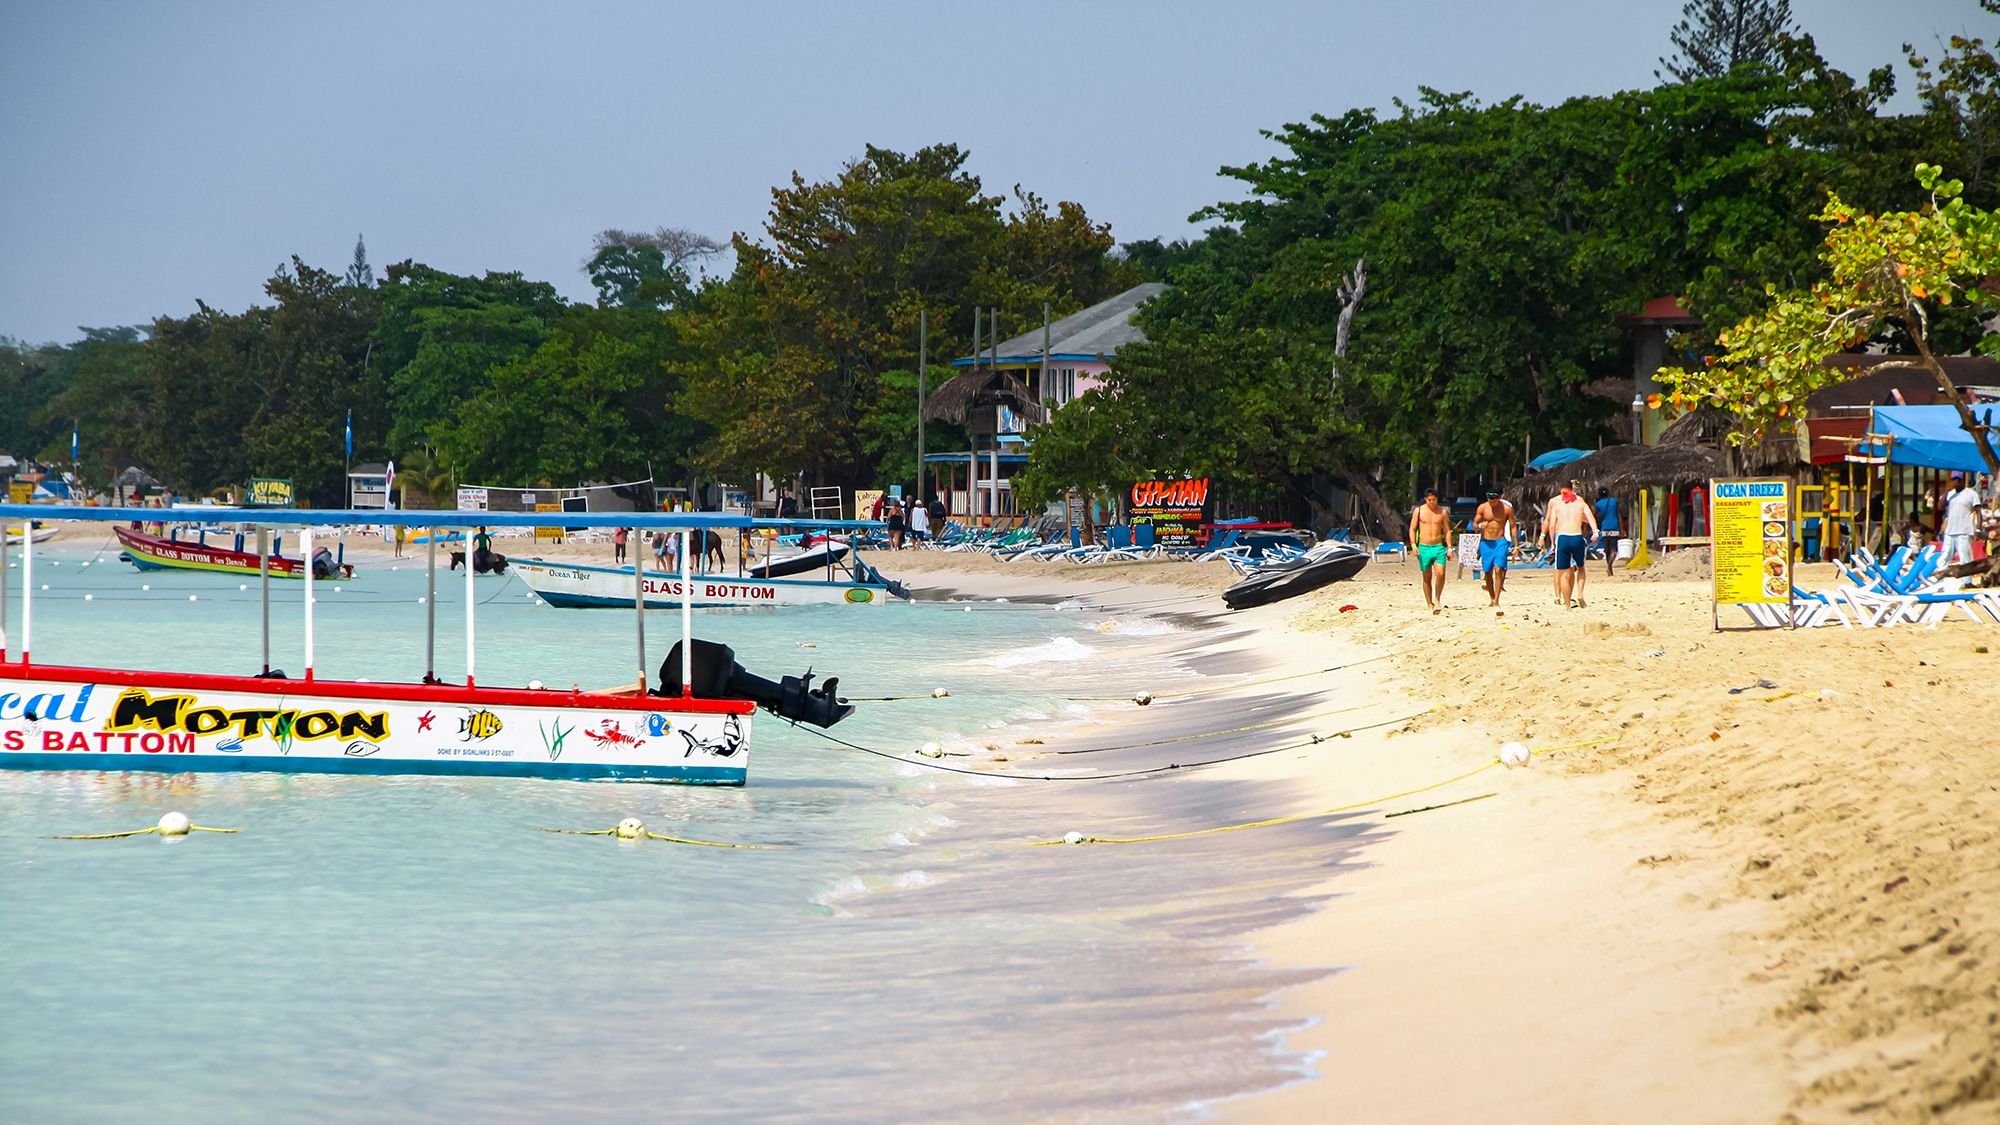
x=1899, y=467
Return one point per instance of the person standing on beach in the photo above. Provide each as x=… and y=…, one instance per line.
x=1430, y=531
x=920, y=523
x=1606, y=509
x=660, y=551
x=618, y=539
x=1563, y=527
x=896, y=524
x=402, y=533
x=1961, y=506
x=1495, y=521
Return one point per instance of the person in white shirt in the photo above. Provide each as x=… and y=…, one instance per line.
x=1961, y=505
x=920, y=523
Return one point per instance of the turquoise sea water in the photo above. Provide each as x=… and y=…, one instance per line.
x=409, y=948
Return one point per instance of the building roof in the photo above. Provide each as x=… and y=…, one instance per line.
x=1095, y=333
x=1917, y=388
x=1662, y=310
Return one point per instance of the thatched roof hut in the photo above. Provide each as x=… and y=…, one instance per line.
x=982, y=387
x=1624, y=470
x=1711, y=426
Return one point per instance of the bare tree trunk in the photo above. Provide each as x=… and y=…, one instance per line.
x=1353, y=287
x=1981, y=436
x=1371, y=497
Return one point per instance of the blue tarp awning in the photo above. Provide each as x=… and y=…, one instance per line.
x=1555, y=459
x=1931, y=437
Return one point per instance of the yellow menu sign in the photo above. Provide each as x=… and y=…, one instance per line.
x=1751, y=528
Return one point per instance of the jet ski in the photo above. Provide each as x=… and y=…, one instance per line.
x=1324, y=564
x=816, y=557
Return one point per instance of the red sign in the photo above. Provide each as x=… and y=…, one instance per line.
x=1176, y=509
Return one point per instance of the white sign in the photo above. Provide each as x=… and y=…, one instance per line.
x=471, y=499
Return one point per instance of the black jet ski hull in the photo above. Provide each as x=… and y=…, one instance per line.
x=1263, y=589
x=805, y=562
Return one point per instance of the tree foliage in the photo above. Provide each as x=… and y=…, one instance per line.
x=1896, y=268
x=1714, y=37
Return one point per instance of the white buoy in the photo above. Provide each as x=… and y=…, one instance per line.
x=242, y=585
x=931, y=750
x=1074, y=837
x=336, y=589
x=631, y=828
x=175, y=824
x=1143, y=698
x=146, y=586
x=88, y=597
x=534, y=685
x=421, y=601
x=1514, y=754
x=192, y=598
x=45, y=585
x=968, y=609
x=940, y=693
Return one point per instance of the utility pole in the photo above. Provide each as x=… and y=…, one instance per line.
x=923, y=365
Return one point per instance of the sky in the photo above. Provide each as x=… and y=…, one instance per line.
x=156, y=153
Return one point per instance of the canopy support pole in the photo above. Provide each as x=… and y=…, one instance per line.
x=639, y=610
x=687, y=624
x=471, y=568
x=430, y=606
x=29, y=526
x=27, y=587
x=306, y=550
x=264, y=588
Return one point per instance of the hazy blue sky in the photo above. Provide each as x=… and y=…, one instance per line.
x=152, y=153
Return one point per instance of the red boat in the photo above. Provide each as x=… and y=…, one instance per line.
x=149, y=552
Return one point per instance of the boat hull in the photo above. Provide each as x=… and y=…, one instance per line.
x=570, y=586
x=41, y=534
x=103, y=719
x=148, y=552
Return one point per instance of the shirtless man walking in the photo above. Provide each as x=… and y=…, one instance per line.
x=1430, y=530
x=1495, y=521
x=1567, y=516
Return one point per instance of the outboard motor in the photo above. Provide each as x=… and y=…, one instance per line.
x=716, y=675
x=323, y=564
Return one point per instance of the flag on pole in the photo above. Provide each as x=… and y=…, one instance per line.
x=74, y=433
x=350, y=435
x=389, y=486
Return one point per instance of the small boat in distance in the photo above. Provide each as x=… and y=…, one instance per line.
x=575, y=586
x=150, y=552
x=41, y=534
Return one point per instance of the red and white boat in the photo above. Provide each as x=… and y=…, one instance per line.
x=692, y=724
x=150, y=552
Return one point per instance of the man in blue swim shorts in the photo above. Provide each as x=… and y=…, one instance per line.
x=1495, y=521
x=1567, y=516
x=1430, y=531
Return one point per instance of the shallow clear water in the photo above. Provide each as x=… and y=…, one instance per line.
x=374, y=948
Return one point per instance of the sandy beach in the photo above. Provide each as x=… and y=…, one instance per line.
x=1697, y=904
x=1704, y=900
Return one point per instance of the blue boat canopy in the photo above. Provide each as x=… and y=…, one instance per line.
x=1932, y=437
x=316, y=517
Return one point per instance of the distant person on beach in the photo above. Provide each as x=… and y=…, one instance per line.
x=402, y=533
x=1430, y=533
x=788, y=505
x=875, y=511
x=920, y=523
x=1563, y=528
x=618, y=546
x=482, y=550
x=1606, y=510
x=1961, y=507
x=660, y=550
x=1495, y=521
x=896, y=526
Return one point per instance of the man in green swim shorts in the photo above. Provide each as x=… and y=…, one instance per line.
x=1430, y=531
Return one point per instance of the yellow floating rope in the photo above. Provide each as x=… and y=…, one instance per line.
x=1308, y=815
x=144, y=832
x=650, y=835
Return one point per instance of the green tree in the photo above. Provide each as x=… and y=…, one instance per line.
x=633, y=270
x=1714, y=37
x=1896, y=268
x=105, y=398
x=439, y=334
x=795, y=344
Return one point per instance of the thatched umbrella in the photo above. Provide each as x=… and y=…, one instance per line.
x=982, y=387
x=1624, y=470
